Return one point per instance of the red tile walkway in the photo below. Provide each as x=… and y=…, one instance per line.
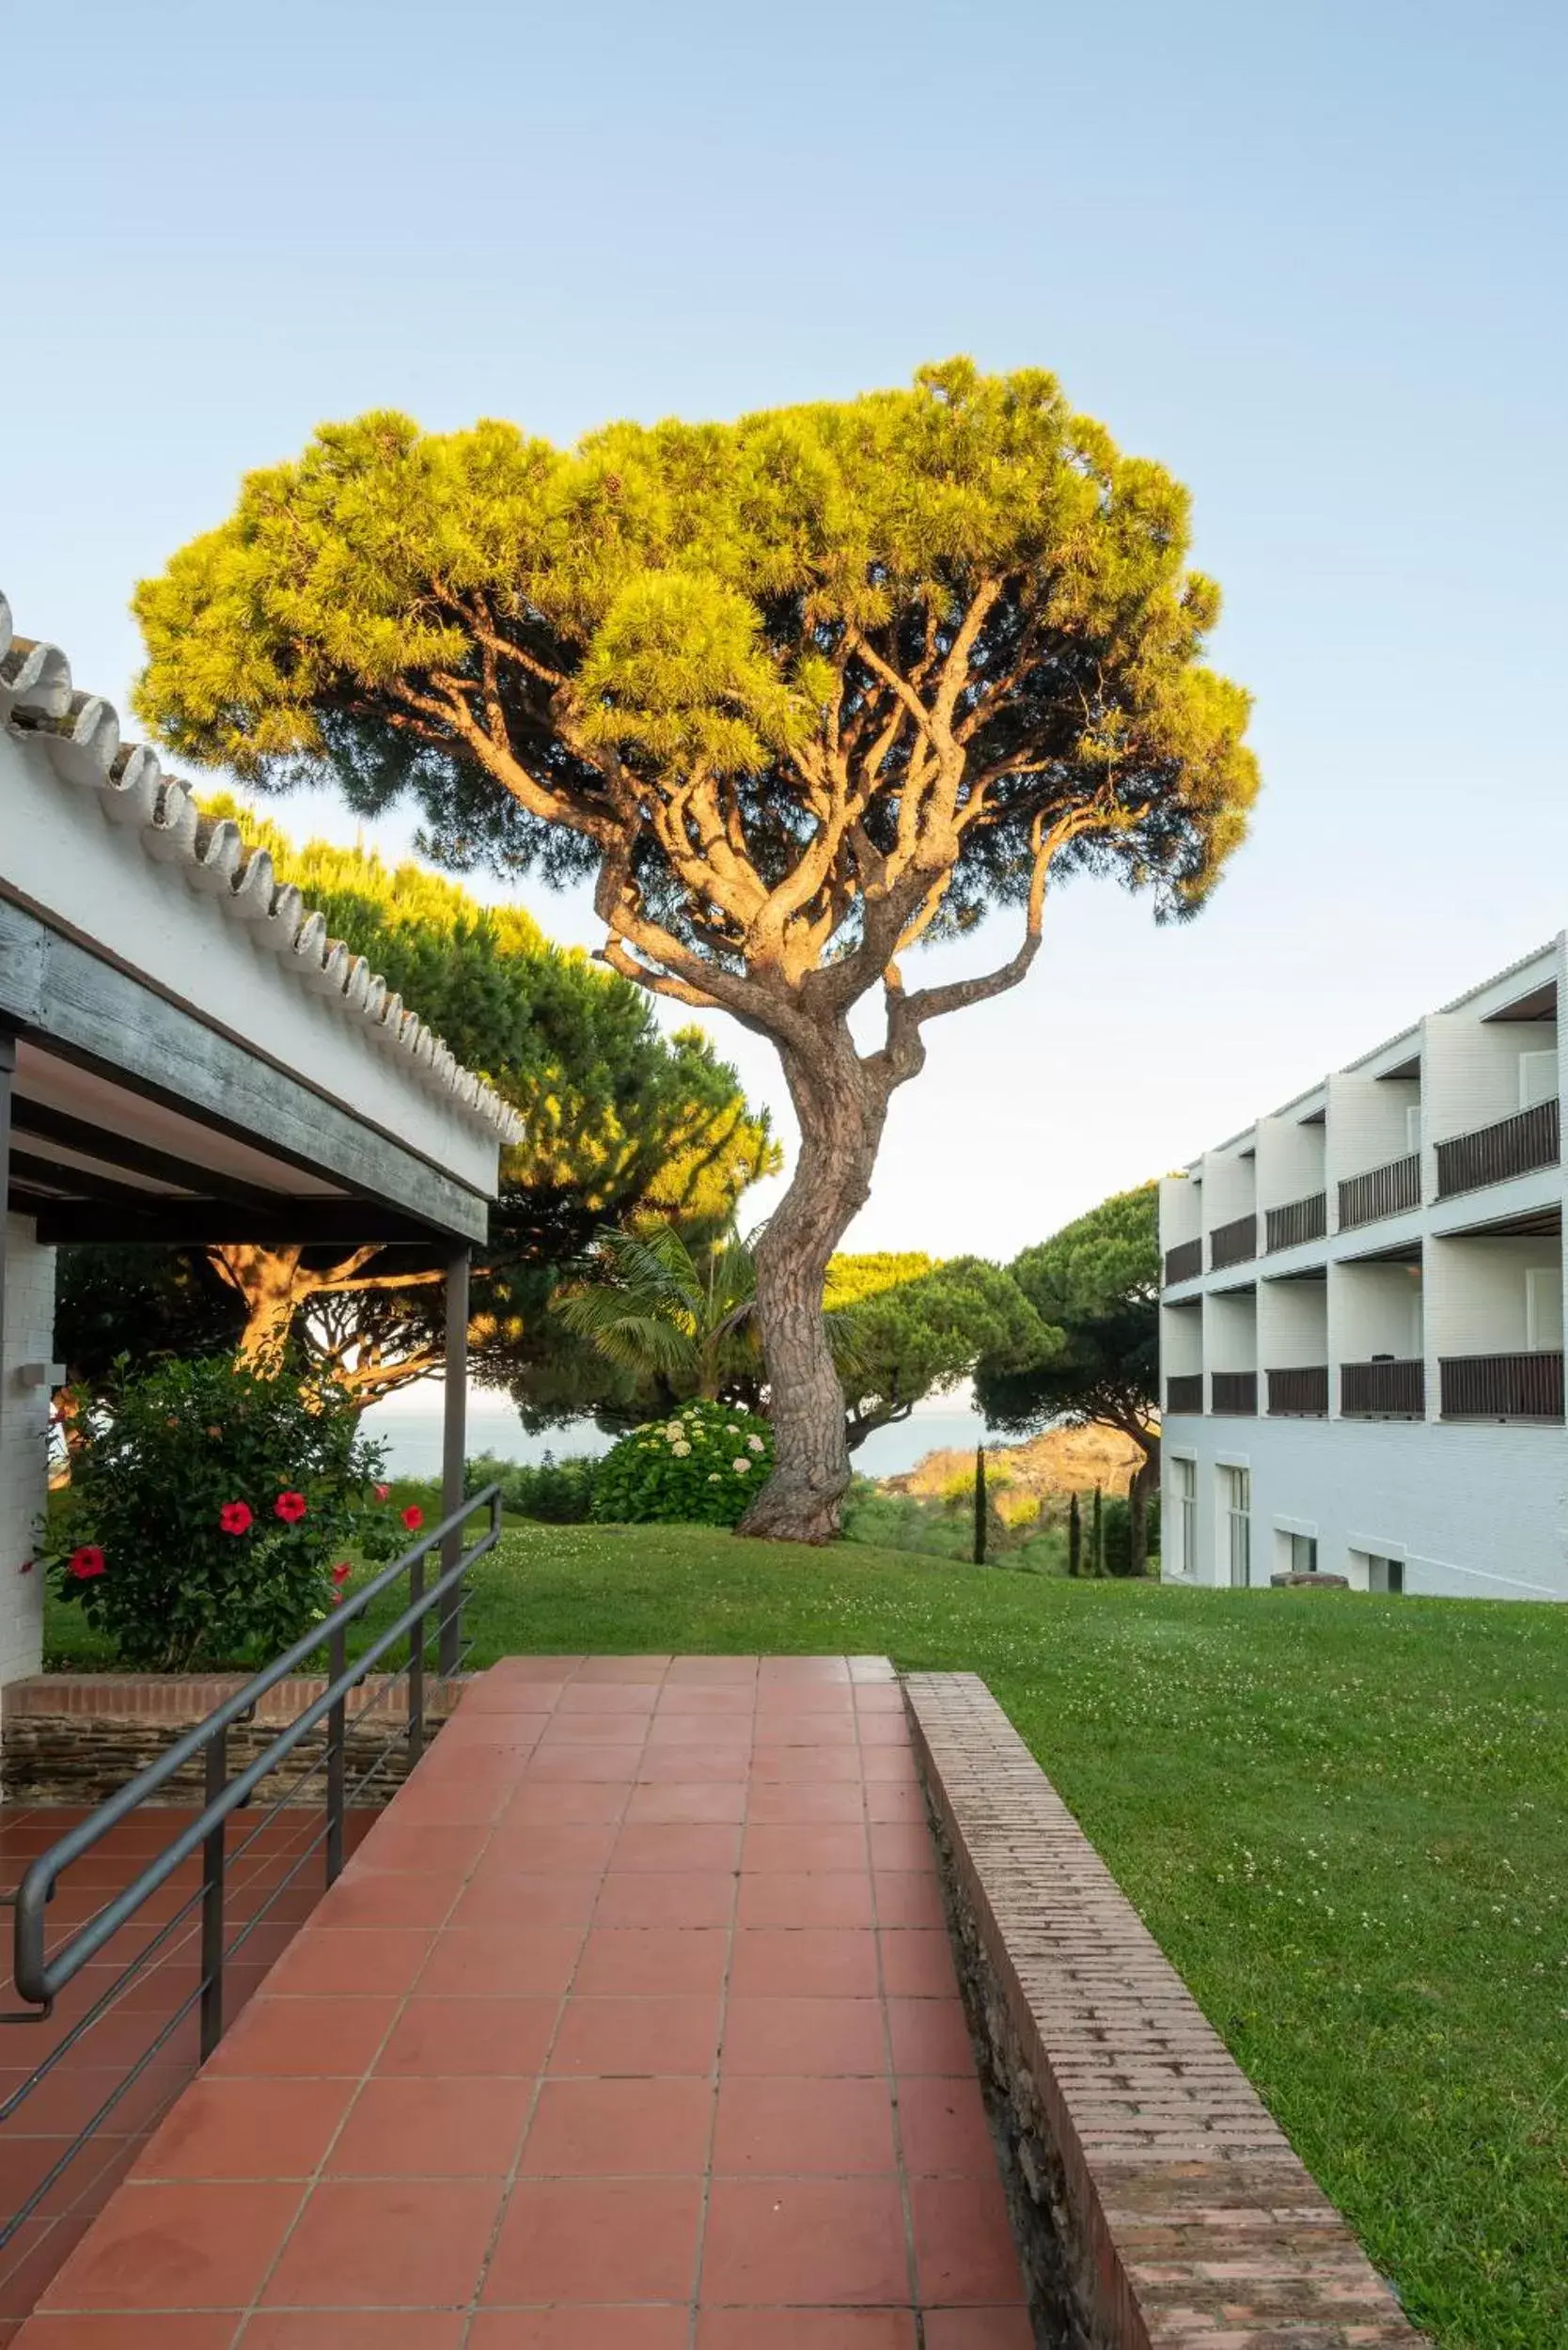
x=632, y=2025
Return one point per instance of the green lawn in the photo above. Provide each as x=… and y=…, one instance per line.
x=1346, y=1820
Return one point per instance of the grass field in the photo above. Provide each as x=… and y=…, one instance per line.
x=1345, y=1819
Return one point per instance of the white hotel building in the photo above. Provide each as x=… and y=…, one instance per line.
x=1362, y=1314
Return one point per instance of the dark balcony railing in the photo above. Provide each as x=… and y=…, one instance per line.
x=1532, y=1137
x=1303, y=1390
x=1386, y=1389
x=1303, y=1219
x=1184, y=1392
x=1232, y=1243
x=1501, y=1387
x=1185, y=1262
x=1382, y=1191
x=1234, y=1391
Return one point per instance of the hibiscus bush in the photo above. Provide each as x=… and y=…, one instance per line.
x=211, y=1512
x=698, y=1467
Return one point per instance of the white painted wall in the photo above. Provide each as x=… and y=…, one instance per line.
x=1292, y=1324
x=1476, y=1512
x=1368, y=1126
x=1290, y=1162
x=1181, y=1339
x=1181, y=1210
x=1376, y=1309
x=1476, y=1292
x=1230, y=1186
x=23, y=1446
x=1473, y=1069
x=1230, y=1330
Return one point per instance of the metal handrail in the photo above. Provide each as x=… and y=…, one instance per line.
x=41, y=1978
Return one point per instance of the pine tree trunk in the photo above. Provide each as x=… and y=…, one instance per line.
x=1144, y=1481
x=843, y=1106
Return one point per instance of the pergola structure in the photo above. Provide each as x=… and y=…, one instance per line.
x=187, y=1057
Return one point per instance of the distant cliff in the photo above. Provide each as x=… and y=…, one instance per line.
x=1063, y=1460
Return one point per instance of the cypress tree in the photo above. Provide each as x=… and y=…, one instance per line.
x=1097, y=1538
x=979, y=1505
x=1074, y=1537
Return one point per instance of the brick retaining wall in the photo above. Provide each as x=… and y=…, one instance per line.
x=78, y=1737
x=1175, y=2214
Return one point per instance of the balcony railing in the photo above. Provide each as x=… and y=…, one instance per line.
x=1382, y=1191
x=1183, y=1392
x=1303, y=1219
x=1233, y=1243
x=1303, y=1390
x=1185, y=1262
x=1491, y=1154
x=1234, y=1391
x=1383, y=1390
x=1501, y=1387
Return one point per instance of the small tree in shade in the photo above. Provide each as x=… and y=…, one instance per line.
x=1097, y=1537
x=1074, y=1537
x=979, y=1505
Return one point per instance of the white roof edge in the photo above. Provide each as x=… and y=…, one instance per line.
x=82, y=733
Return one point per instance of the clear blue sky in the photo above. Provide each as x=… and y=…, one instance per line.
x=1310, y=257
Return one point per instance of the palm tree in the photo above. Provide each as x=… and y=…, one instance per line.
x=660, y=1312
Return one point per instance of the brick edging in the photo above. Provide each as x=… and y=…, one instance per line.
x=1187, y=2219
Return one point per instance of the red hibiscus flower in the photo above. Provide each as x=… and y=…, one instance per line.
x=414, y=1517
x=234, y=1517
x=384, y=1493
x=27, y=1567
x=341, y=1571
x=86, y=1562
x=290, y=1508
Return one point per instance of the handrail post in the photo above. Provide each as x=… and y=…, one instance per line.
x=416, y=1664
x=454, y=1432
x=336, y=1755
x=215, y=1778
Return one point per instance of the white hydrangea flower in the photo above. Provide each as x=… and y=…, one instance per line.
x=756, y=1444
x=674, y=1430
x=712, y=1477
x=731, y=1429
x=741, y=1468
x=680, y=1450
x=743, y=1409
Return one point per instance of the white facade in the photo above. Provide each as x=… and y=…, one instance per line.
x=1362, y=1318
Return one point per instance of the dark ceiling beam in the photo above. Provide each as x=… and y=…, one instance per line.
x=215, y=1223
x=42, y=1122
x=79, y=1182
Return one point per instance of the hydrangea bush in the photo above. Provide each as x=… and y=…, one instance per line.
x=698, y=1467
x=210, y=1512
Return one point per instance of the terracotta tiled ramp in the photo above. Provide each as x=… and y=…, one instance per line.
x=632, y=2025
x=1186, y=2221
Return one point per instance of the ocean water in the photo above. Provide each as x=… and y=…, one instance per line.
x=408, y=1425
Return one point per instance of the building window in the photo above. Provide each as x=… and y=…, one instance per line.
x=1385, y=1574
x=1238, y=1524
x=1185, y=1486
x=1303, y=1553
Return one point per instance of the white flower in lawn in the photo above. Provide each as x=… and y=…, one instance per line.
x=741, y=1468
x=756, y=1444
x=680, y=1450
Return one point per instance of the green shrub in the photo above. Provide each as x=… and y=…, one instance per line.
x=559, y=1493
x=698, y=1467
x=208, y=1510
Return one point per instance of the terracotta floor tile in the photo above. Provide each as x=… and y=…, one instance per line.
x=392, y=1846
x=508, y=1670
x=878, y=1697
x=896, y=1764
x=637, y=2037
x=305, y=2038
x=269, y=2129
x=776, y=1728
x=446, y=2039
x=526, y=1848
x=594, y=1730
x=620, y=2129
x=772, y=1670
x=930, y=2036
x=408, y=1898
x=806, y=2329
x=681, y=1804
x=814, y=1765
x=666, y=1897
x=617, y=1765
x=802, y=1850
x=891, y=1799
x=943, y=2128
x=349, y=2329
x=802, y=1802
x=719, y=1731
x=898, y=1844
x=549, y=1900
x=652, y=1845
x=364, y=2244
x=686, y=1767
x=623, y=1668
x=714, y=1700
x=963, y=2246
x=709, y=1672
x=634, y=1698
x=405, y=2127
x=501, y=1962
x=583, y=1805
x=804, y=1962
x=980, y=2329
x=121, y=2332
x=582, y=2329
x=906, y=1897
x=883, y=1730
x=805, y=2037
x=820, y=1897
x=618, y=2240
x=332, y=1962
x=207, y=2245
x=800, y=2129
x=453, y=1804
x=642, y=1961
x=918, y=1963
x=804, y=2240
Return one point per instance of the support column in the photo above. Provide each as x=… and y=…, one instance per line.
x=453, y=1448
